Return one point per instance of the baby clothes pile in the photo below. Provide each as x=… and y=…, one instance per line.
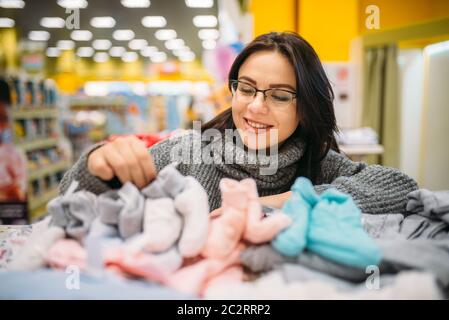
x=163, y=234
x=408, y=255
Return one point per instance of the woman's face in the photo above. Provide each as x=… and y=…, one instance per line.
x=260, y=122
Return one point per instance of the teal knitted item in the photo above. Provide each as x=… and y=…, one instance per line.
x=336, y=232
x=292, y=241
x=329, y=225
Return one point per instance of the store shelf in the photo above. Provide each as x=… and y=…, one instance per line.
x=362, y=149
x=52, y=168
x=40, y=143
x=42, y=200
x=34, y=113
x=98, y=103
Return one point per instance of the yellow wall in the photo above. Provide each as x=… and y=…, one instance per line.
x=398, y=13
x=329, y=26
x=8, y=47
x=269, y=15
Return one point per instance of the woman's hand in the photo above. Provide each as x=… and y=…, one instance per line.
x=216, y=213
x=125, y=157
x=275, y=201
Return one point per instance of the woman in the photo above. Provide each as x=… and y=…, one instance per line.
x=282, y=100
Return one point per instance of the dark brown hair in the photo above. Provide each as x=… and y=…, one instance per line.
x=314, y=102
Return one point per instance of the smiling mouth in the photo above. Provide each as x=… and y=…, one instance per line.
x=257, y=125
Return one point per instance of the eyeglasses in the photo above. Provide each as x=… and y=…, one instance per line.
x=246, y=93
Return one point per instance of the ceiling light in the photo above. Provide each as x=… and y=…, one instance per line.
x=101, y=57
x=205, y=21
x=199, y=3
x=148, y=51
x=101, y=44
x=52, y=52
x=137, y=44
x=96, y=88
x=85, y=52
x=52, y=22
x=117, y=51
x=130, y=57
x=6, y=23
x=73, y=4
x=208, y=34
x=174, y=44
x=39, y=35
x=65, y=44
x=136, y=3
x=81, y=35
x=209, y=44
x=123, y=35
x=102, y=22
x=187, y=57
x=159, y=57
x=154, y=21
x=165, y=34
x=12, y=4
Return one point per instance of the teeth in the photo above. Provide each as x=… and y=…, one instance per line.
x=257, y=125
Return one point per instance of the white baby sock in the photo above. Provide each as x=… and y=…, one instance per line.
x=162, y=224
x=192, y=203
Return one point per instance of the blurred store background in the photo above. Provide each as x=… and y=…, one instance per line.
x=75, y=72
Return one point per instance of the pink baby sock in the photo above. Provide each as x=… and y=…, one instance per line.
x=64, y=253
x=32, y=255
x=162, y=224
x=226, y=230
x=192, y=203
x=138, y=264
x=193, y=278
x=259, y=229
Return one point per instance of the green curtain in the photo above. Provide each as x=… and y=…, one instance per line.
x=381, y=107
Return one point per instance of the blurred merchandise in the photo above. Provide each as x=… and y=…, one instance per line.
x=13, y=170
x=34, y=130
x=359, y=136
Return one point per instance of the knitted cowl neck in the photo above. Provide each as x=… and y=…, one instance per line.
x=248, y=164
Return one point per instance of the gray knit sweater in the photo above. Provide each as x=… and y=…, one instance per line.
x=375, y=189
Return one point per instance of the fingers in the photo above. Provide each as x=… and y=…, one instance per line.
x=134, y=168
x=127, y=158
x=118, y=164
x=216, y=213
x=97, y=166
x=144, y=160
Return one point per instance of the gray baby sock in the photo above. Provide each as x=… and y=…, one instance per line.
x=109, y=206
x=131, y=215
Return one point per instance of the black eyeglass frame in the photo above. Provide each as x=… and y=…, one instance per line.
x=233, y=81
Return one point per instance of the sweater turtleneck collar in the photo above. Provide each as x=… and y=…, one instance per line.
x=274, y=171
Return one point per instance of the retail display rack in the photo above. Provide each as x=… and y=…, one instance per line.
x=36, y=132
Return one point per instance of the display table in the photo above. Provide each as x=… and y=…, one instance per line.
x=359, y=152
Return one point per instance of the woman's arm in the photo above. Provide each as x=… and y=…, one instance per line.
x=375, y=189
x=105, y=166
x=80, y=173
